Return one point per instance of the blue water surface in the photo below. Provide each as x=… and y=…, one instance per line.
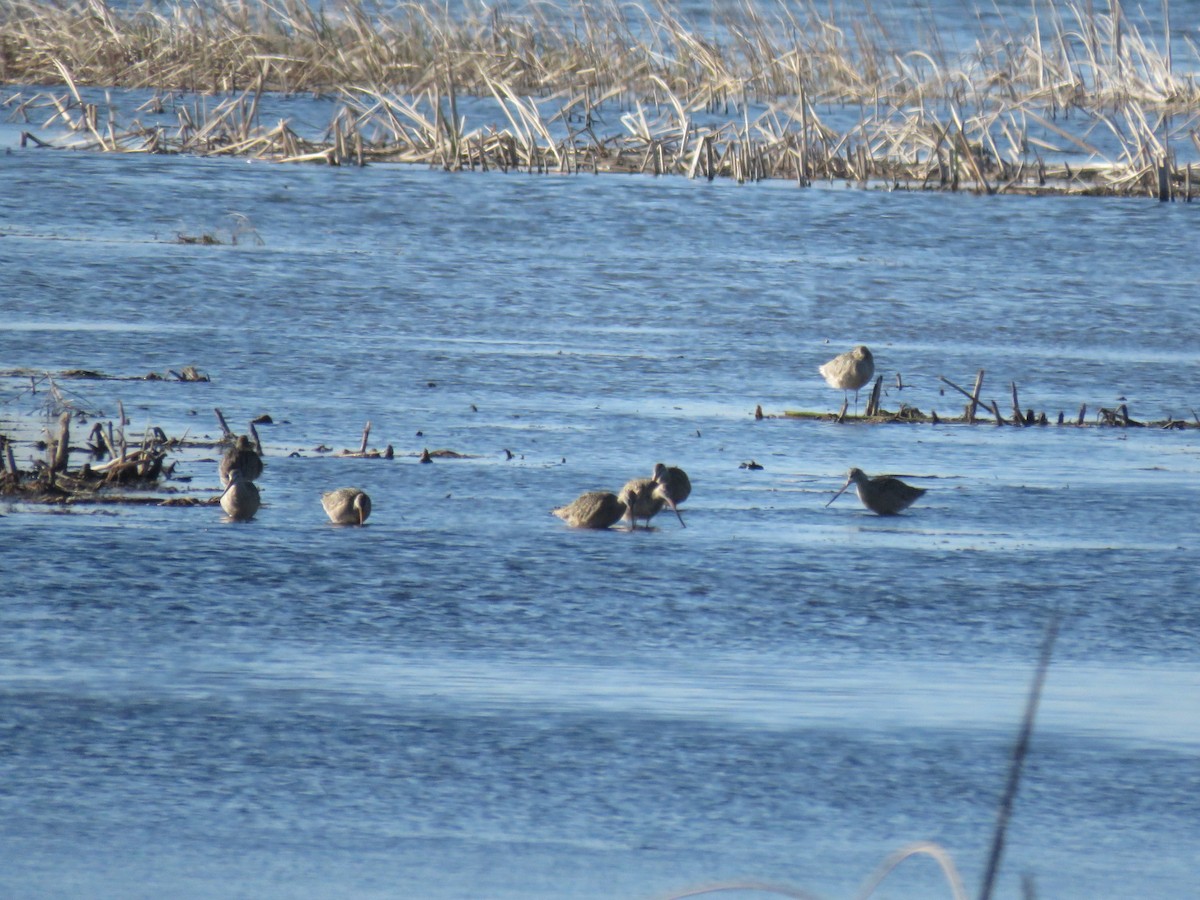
x=467, y=699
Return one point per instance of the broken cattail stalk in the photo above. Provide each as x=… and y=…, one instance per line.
x=63, y=449
x=873, y=403
x=257, y=443
x=969, y=410
x=225, y=432
x=975, y=396
x=366, y=433
x=1018, y=417
x=8, y=456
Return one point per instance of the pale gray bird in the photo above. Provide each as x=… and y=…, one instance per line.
x=241, y=499
x=595, y=509
x=347, y=506
x=849, y=371
x=883, y=494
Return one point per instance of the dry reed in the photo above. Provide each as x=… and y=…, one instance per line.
x=830, y=100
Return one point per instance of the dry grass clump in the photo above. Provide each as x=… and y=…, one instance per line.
x=832, y=101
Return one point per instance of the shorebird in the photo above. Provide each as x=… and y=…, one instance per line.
x=240, y=456
x=643, y=499
x=849, y=371
x=346, y=506
x=595, y=509
x=240, y=499
x=675, y=487
x=882, y=494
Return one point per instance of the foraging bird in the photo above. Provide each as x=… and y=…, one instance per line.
x=241, y=499
x=241, y=457
x=595, y=509
x=883, y=494
x=643, y=499
x=676, y=487
x=347, y=506
x=849, y=371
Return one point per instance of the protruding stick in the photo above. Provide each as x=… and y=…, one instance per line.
x=225, y=432
x=975, y=396
x=1018, y=418
x=873, y=403
x=1018, y=760
x=366, y=434
x=63, y=450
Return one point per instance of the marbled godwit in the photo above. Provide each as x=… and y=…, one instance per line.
x=643, y=499
x=242, y=457
x=882, y=494
x=849, y=371
x=240, y=499
x=595, y=509
x=676, y=487
x=346, y=506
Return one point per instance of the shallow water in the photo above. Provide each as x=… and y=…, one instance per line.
x=466, y=699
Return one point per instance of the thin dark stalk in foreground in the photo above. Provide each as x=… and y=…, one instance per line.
x=1018, y=760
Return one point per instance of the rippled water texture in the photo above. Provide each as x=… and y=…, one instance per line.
x=465, y=698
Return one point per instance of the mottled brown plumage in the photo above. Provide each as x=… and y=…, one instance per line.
x=643, y=498
x=676, y=487
x=883, y=494
x=347, y=506
x=241, y=457
x=595, y=509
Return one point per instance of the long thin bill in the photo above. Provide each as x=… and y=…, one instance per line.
x=838, y=494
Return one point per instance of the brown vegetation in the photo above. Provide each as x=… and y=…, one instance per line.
x=1004, y=118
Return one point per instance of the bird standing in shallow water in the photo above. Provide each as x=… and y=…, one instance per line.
x=241, y=499
x=595, y=509
x=676, y=487
x=242, y=458
x=346, y=506
x=849, y=371
x=882, y=494
x=643, y=499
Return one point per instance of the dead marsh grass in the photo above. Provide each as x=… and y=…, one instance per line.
x=1068, y=102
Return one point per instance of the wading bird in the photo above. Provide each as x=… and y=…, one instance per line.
x=644, y=499
x=849, y=371
x=346, y=506
x=676, y=487
x=240, y=499
x=242, y=458
x=882, y=494
x=595, y=509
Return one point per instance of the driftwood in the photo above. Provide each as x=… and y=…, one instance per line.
x=363, y=453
